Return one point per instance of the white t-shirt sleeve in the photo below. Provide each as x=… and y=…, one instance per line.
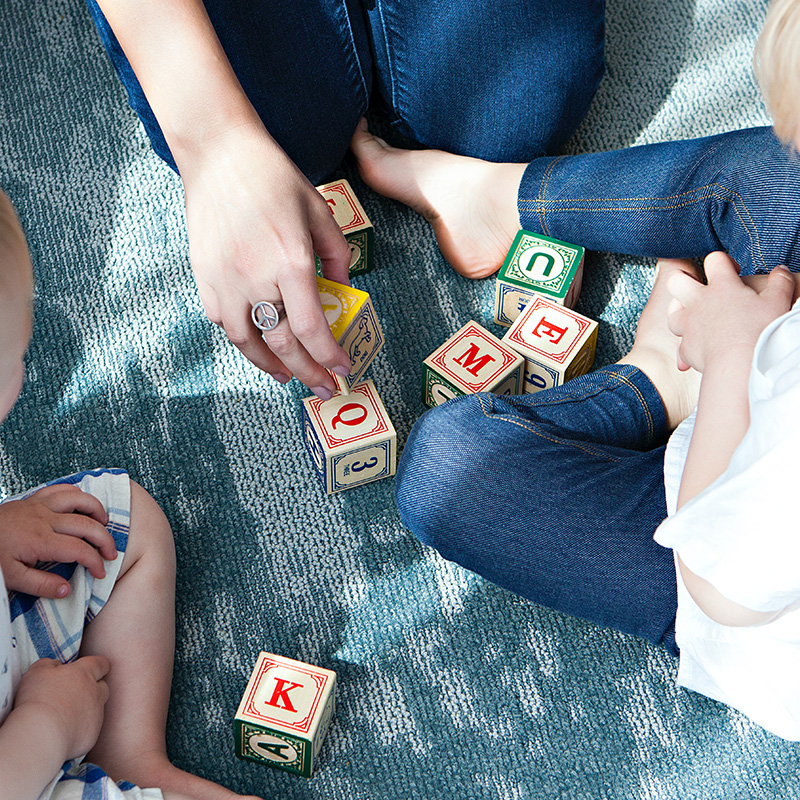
x=742, y=534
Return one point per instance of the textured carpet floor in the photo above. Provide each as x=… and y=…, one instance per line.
x=450, y=687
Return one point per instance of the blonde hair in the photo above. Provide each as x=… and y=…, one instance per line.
x=777, y=67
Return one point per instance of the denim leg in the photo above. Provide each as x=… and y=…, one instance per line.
x=305, y=66
x=503, y=81
x=554, y=496
x=738, y=192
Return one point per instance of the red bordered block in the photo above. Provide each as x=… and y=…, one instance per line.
x=472, y=360
x=350, y=438
x=537, y=265
x=285, y=713
x=354, y=222
x=557, y=343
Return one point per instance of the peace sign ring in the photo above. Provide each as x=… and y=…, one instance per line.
x=266, y=315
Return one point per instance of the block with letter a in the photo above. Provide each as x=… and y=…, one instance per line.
x=350, y=438
x=356, y=227
x=285, y=713
x=557, y=343
x=472, y=360
x=354, y=325
x=537, y=265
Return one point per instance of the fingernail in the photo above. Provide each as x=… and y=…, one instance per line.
x=281, y=377
x=62, y=591
x=322, y=392
x=782, y=266
x=362, y=124
x=344, y=371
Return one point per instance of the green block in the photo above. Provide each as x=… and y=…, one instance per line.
x=436, y=389
x=274, y=748
x=536, y=265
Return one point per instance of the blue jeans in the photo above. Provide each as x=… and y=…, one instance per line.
x=554, y=496
x=738, y=192
x=450, y=74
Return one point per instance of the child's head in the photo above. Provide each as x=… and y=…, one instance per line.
x=777, y=64
x=16, y=295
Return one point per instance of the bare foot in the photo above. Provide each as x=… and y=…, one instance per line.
x=655, y=349
x=471, y=204
x=154, y=770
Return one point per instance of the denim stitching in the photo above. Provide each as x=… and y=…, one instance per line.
x=526, y=426
x=543, y=191
x=731, y=196
x=640, y=397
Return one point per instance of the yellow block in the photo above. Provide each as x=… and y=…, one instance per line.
x=341, y=304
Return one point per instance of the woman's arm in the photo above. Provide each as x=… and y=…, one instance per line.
x=254, y=220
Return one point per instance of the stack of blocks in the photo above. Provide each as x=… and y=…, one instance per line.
x=350, y=438
x=547, y=343
x=284, y=713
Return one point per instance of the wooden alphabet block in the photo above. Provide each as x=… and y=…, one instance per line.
x=285, y=713
x=350, y=438
x=537, y=265
x=356, y=227
x=354, y=325
x=472, y=360
x=558, y=343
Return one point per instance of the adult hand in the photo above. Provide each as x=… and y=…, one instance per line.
x=254, y=224
x=724, y=318
x=71, y=699
x=58, y=523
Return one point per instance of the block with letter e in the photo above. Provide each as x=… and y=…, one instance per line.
x=471, y=361
x=350, y=438
x=356, y=227
x=354, y=325
x=285, y=713
x=557, y=343
x=537, y=265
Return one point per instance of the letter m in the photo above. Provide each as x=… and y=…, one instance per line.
x=470, y=361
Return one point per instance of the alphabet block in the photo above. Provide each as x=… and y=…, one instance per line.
x=350, y=438
x=285, y=713
x=354, y=222
x=537, y=265
x=558, y=343
x=472, y=360
x=354, y=325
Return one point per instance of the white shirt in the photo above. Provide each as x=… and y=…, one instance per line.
x=742, y=534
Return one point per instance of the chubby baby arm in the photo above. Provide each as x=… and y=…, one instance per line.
x=719, y=325
x=57, y=716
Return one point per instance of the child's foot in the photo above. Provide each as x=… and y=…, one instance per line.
x=472, y=204
x=156, y=771
x=655, y=349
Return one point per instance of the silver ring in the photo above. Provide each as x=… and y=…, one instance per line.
x=266, y=315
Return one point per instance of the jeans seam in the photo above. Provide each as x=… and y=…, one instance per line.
x=541, y=435
x=717, y=190
x=389, y=65
x=543, y=191
x=651, y=427
x=357, y=59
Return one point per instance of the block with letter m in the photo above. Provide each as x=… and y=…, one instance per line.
x=472, y=360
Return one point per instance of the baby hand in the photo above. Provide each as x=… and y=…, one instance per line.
x=723, y=319
x=58, y=523
x=71, y=699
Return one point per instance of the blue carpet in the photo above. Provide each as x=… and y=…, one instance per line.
x=450, y=687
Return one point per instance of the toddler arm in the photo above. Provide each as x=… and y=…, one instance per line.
x=720, y=324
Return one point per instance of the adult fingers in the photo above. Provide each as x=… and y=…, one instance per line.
x=329, y=243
